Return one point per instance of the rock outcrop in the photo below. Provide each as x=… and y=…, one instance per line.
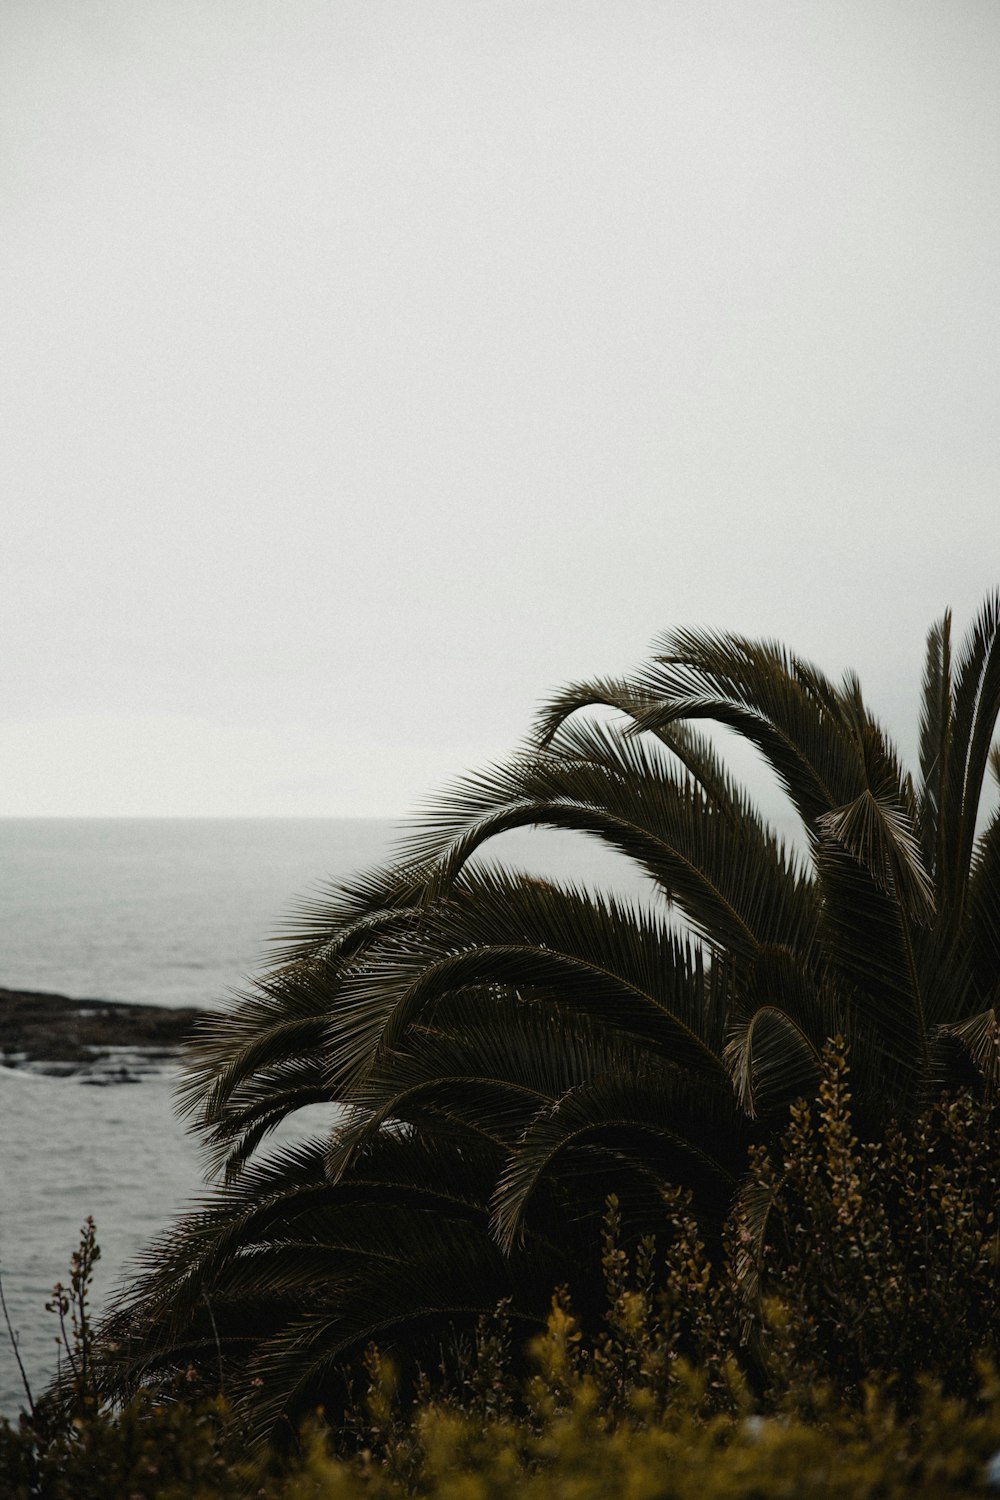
x=100, y=1041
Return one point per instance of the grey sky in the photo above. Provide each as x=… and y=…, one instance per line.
x=369, y=369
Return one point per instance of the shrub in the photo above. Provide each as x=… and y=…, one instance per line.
x=840, y=1340
x=162, y=1445
x=875, y=1257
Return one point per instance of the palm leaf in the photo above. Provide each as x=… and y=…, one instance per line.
x=785, y=707
x=725, y=872
x=626, y=1112
x=781, y=1019
x=935, y=742
x=974, y=718
x=602, y=956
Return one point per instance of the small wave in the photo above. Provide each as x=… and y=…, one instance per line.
x=17, y=1067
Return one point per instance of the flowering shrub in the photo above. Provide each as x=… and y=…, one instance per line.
x=876, y=1257
x=840, y=1342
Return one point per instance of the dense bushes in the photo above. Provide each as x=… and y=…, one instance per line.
x=558, y=1438
x=160, y=1447
x=68, y=1446
x=876, y=1257
x=839, y=1341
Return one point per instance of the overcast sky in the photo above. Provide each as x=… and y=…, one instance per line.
x=370, y=369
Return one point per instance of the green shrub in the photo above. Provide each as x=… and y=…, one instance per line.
x=563, y=1442
x=567, y=1446
x=158, y=1448
x=162, y=1445
x=840, y=1341
x=864, y=1258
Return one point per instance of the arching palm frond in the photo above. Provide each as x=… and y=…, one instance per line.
x=721, y=867
x=251, y=1066
x=648, y=1118
x=288, y=1275
x=601, y=955
x=785, y=707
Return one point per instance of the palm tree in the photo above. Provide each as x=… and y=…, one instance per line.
x=507, y=1050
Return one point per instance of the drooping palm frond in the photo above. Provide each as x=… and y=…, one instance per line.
x=602, y=955
x=721, y=867
x=344, y=918
x=488, y=1058
x=879, y=836
x=287, y=1275
x=784, y=706
x=248, y=1066
x=692, y=750
x=780, y=1018
x=647, y=1118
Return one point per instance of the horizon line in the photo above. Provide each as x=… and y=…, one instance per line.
x=192, y=817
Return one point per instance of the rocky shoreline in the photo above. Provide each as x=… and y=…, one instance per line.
x=97, y=1041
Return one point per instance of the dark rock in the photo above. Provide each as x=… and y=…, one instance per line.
x=107, y=1041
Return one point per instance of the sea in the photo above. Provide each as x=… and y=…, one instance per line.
x=169, y=912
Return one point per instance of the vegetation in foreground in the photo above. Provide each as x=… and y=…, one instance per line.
x=842, y=1343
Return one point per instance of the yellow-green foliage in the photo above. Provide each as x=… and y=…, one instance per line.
x=566, y=1447
x=563, y=1444
x=879, y=1256
x=842, y=1344
x=157, y=1448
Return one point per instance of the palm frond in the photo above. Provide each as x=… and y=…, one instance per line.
x=780, y=1020
x=723, y=869
x=982, y=924
x=872, y=960
x=979, y=1039
x=974, y=719
x=350, y=913
x=784, y=706
x=489, y=1068
x=625, y=1112
x=876, y=831
x=603, y=956
x=935, y=741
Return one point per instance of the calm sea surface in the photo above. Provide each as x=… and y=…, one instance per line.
x=167, y=912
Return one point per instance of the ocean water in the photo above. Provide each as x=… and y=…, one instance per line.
x=165, y=912
x=162, y=911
